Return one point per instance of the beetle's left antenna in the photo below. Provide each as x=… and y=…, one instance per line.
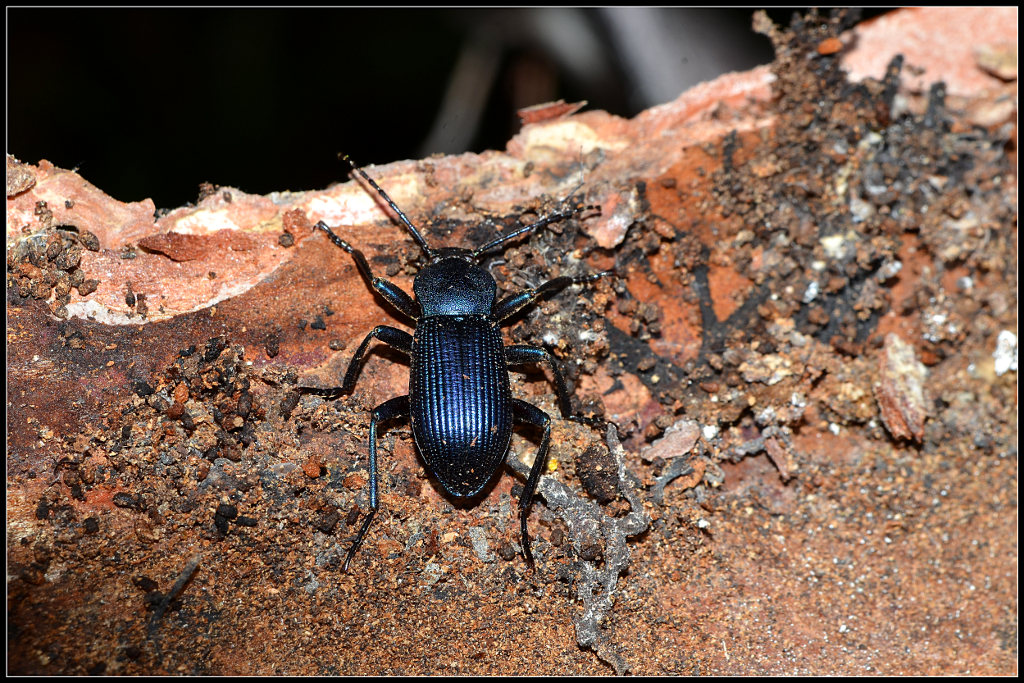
x=405, y=219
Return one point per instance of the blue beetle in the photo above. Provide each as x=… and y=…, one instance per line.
x=459, y=403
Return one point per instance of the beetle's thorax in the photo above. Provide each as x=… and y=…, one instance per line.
x=453, y=284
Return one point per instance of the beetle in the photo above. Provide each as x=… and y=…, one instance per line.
x=459, y=403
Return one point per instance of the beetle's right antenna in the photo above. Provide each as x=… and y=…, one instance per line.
x=558, y=215
x=408, y=224
x=551, y=218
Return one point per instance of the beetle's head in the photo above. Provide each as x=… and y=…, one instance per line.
x=443, y=253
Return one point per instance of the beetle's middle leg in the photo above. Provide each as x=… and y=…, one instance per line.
x=526, y=413
x=521, y=354
x=392, y=336
x=397, y=339
x=389, y=410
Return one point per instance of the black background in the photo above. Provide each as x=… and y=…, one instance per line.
x=151, y=102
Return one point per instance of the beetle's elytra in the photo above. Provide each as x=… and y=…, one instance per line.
x=459, y=403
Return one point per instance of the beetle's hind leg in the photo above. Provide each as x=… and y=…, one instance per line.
x=389, y=410
x=526, y=413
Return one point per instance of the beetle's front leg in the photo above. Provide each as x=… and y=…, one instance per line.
x=389, y=410
x=391, y=292
x=514, y=303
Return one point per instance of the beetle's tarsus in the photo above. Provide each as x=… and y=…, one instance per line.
x=359, y=540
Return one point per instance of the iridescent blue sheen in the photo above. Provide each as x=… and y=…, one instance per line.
x=460, y=402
